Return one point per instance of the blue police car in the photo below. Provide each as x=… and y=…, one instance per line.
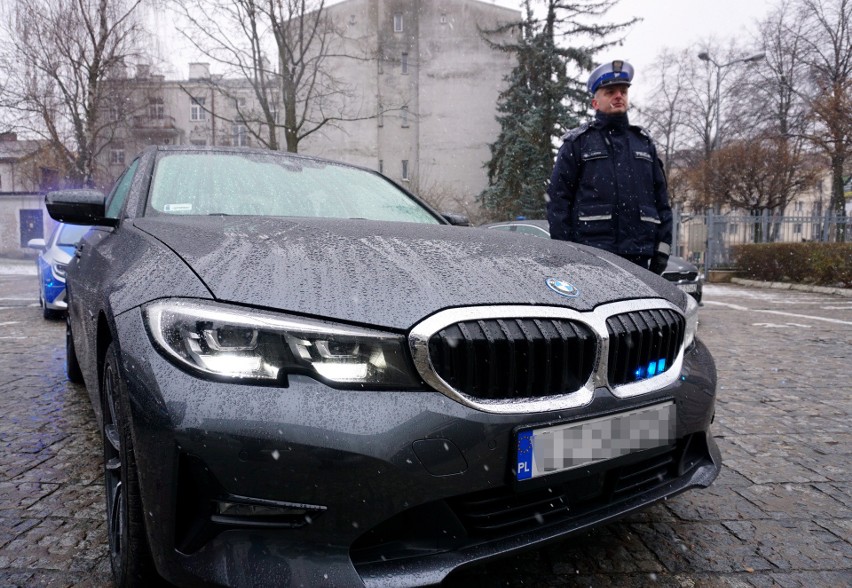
x=52, y=261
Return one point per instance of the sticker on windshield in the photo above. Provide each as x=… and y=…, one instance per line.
x=180, y=207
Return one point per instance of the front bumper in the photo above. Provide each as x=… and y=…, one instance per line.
x=383, y=484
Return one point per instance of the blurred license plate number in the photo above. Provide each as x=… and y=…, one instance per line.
x=564, y=447
x=688, y=288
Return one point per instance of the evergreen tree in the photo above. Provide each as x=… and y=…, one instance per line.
x=541, y=101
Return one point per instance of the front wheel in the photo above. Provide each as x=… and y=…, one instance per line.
x=129, y=554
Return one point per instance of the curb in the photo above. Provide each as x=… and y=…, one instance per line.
x=845, y=292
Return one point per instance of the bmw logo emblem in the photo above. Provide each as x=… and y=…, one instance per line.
x=562, y=288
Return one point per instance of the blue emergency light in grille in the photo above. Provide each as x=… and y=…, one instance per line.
x=514, y=358
x=643, y=344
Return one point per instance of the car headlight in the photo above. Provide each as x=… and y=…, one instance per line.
x=691, y=321
x=231, y=342
x=59, y=270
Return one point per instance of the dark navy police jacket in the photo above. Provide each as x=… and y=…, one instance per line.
x=608, y=189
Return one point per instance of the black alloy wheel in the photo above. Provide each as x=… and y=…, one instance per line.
x=130, y=556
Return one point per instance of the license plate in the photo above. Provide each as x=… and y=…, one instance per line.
x=564, y=447
x=688, y=288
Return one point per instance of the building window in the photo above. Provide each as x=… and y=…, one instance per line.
x=351, y=20
x=114, y=113
x=797, y=229
x=405, y=177
x=381, y=166
x=405, y=63
x=116, y=156
x=198, y=142
x=239, y=136
x=196, y=111
x=156, y=108
x=397, y=22
x=405, y=116
x=443, y=18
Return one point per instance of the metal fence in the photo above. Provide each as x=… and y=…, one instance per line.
x=707, y=239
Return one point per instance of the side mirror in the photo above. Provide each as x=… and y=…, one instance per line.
x=37, y=244
x=78, y=207
x=454, y=218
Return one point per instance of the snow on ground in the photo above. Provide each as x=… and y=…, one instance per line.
x=17, y=268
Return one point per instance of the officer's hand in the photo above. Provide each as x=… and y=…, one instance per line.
x=659, y=262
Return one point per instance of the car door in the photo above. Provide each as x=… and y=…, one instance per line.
x=85, y=283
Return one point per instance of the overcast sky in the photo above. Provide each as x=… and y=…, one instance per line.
x=676, y=24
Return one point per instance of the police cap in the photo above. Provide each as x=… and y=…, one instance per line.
x=607, y=74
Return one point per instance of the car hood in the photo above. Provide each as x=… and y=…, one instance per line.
x=389, y=274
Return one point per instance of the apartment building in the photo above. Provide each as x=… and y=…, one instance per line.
x=433, y=86
x=423, y=87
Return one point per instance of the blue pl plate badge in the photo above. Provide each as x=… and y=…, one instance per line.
x=562, y=288
x=525, y=455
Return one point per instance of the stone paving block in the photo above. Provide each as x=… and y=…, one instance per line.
x=800, y=501
x=716, y=503
x=700, y=547
x=18, y=496
x=729, y=477
x=611, y=549
x=77, y=500
x=56, y=544
x=793, y=544
x=773, y=470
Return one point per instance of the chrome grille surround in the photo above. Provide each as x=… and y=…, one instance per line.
x=596, y=320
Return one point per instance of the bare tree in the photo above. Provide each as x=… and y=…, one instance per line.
x=282, y=49
x=758, y=174
x=55, y=57
x=665, y=114
x=826, y=36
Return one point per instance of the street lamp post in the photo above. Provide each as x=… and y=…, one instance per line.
x=717, y=99
x=714, y=228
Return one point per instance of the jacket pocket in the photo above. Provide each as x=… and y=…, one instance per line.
x=649, y=214
x=594, y=219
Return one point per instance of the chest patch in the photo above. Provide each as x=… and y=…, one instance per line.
x=643, y=155
x=588, y=155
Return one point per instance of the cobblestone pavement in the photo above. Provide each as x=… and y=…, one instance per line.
x=780, y=513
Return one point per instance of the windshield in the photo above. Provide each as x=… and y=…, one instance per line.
x=275, y=185
x=70, y=234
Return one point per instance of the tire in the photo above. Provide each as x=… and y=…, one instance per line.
x=72, y=366
x=50, y=314
x=129, y=553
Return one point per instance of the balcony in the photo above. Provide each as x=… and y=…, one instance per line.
x=148, y=126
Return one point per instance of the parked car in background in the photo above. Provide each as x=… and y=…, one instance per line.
x=52, y=260
x=678, y=271
x=304, y=376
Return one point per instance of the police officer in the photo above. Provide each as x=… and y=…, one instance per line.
x=608, y=187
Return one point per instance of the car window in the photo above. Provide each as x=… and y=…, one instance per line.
x=257, y=184
x=533, y=230
x=71, y=234
x=120, y=192
x=503, y=227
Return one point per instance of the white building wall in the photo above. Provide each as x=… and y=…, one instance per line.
x=450, y=91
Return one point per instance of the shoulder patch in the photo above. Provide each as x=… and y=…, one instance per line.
x=576, y=132
x=643, y=132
